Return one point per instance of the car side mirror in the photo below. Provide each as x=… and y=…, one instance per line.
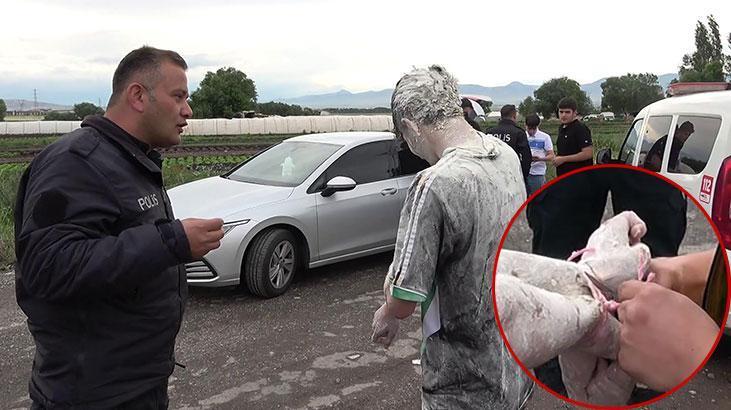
x=338, y=184
x=604, y=156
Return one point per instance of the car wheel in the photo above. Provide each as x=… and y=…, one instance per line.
x=271, y=263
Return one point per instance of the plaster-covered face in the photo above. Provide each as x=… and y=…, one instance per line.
x=416, y=141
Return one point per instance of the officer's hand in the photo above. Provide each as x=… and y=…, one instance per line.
x=667, y=272
x=664, y=336
x=558, y=161
x=204, y=235
x=385, y=327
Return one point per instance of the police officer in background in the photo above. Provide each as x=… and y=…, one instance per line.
x=508, y=131
x=100, y=271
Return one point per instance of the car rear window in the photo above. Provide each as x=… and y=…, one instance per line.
x=693, y=142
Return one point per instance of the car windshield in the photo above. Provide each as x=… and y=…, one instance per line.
x=286, y=164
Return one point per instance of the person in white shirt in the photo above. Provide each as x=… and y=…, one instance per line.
x=541, y=149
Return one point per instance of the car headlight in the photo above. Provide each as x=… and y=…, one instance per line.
x=228, y=226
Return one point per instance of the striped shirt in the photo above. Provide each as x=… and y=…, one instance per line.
x=449, y=231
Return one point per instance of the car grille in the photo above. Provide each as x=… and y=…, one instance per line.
x=199, y=270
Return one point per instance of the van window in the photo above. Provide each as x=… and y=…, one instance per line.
x=627, y=153
x=692, y=144
x=653, y=142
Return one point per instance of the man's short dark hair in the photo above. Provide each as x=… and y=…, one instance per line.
x=145, y=60
x=466, y=103
x=507, y=111
x=568, y=102
x=532, y=121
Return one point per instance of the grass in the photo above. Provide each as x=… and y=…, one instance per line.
x=9, y=178
x=185, y=169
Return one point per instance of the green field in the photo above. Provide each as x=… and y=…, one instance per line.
x=185, y=169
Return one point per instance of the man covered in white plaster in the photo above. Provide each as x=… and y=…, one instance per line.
x=449, y=232
x=568, y=315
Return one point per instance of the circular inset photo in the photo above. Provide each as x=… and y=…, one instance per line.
x=610, y=287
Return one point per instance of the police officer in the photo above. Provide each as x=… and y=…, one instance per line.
x=100, y=254
x=510, y=133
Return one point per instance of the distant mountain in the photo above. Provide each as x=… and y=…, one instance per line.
x=512, y=93
x=344, y=99
x=25, y=105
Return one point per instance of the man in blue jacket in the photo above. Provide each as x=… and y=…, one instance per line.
x=100, y=271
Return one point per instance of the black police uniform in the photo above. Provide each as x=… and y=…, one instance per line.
x=99, y=272
x=516, y=137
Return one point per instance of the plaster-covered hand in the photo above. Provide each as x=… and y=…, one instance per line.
x=540, y=324
x=614, y=251
x=385, y=326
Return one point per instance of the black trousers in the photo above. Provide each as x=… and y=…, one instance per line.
x=153, y=399
x=564, y=216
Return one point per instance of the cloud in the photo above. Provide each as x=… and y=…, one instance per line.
x=293, y=47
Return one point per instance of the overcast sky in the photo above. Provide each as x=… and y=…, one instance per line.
x=68, y=49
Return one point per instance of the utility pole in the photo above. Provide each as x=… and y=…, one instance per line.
x=35, y=99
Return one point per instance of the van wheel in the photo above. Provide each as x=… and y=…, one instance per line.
x=271, y=263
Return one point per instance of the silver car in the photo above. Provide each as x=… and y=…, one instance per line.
x=309, y=201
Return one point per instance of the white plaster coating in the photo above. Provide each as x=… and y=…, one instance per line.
x=545, y=309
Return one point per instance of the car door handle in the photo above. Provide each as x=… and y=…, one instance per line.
x=388, y=191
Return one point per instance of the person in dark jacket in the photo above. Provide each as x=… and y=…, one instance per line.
x=510, y=133
x=99, y=272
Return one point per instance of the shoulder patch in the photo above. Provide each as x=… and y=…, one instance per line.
x=84, y=142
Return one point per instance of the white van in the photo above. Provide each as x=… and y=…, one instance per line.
x=688, y=140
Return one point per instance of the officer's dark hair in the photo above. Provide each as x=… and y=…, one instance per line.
x=532, y=121
x=146, y=61
x=507, y=111
x=568, y=103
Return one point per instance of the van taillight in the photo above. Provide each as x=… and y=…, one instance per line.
x=721, y=209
